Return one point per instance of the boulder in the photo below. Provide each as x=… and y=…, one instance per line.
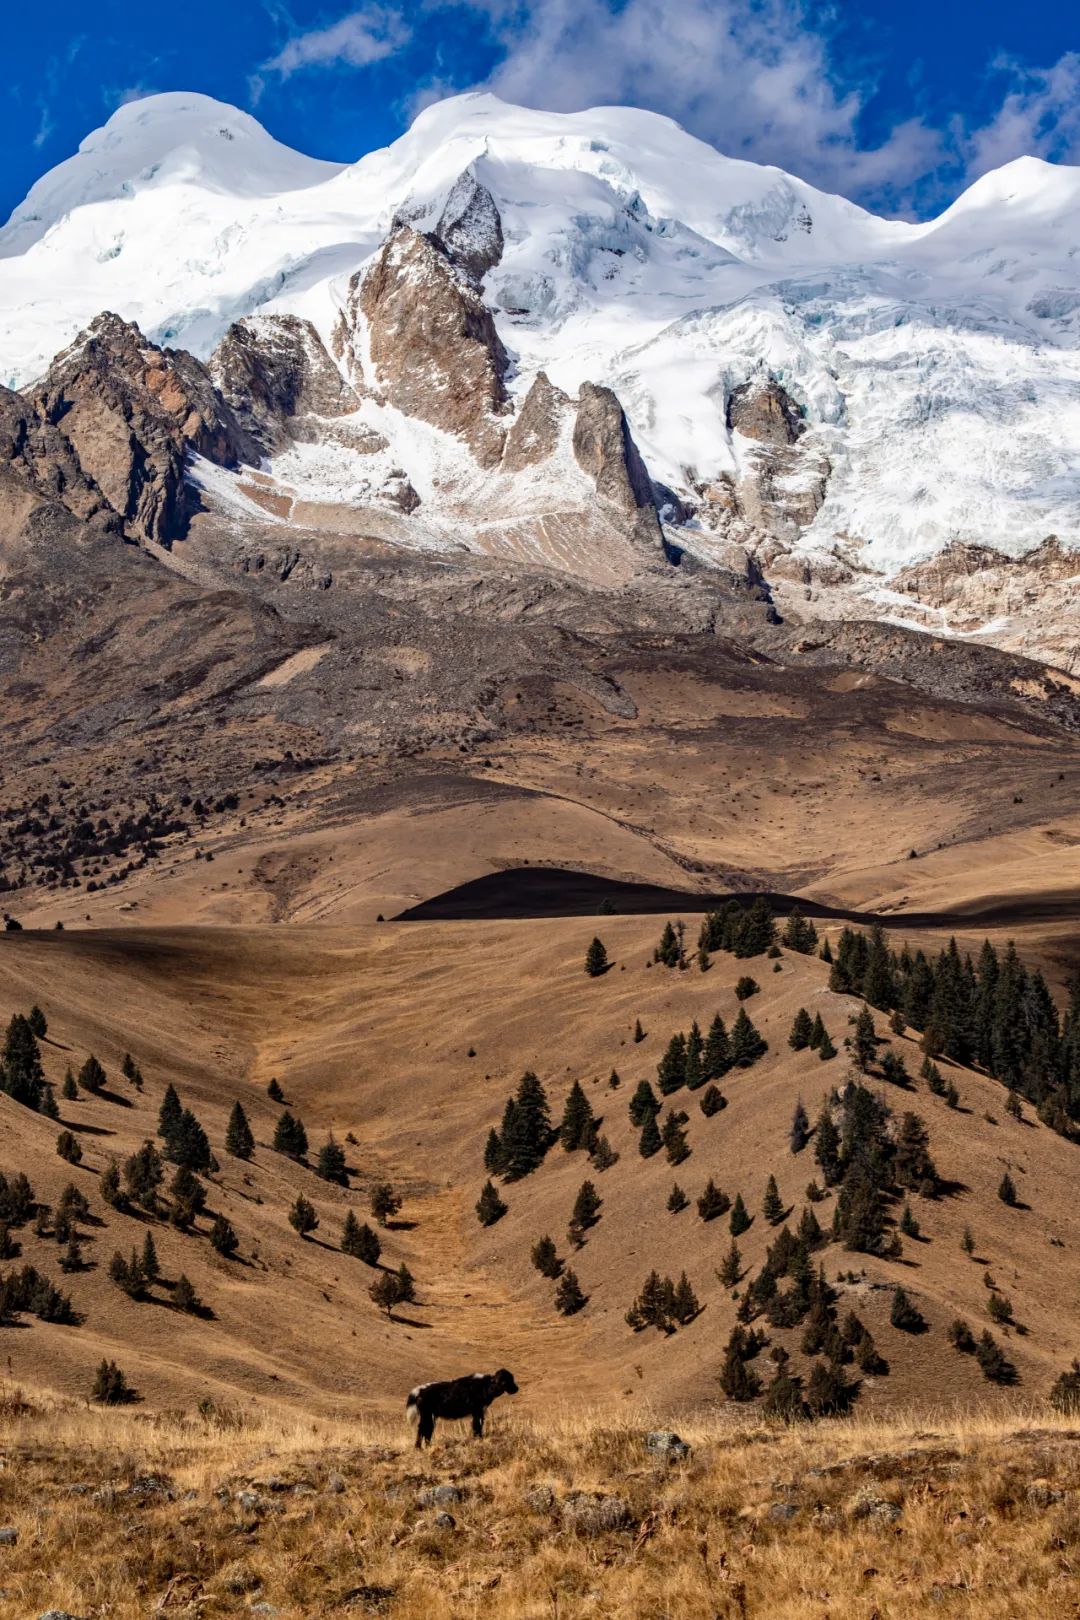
x=667, y=1444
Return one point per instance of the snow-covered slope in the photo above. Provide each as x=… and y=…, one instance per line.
x=936, y=366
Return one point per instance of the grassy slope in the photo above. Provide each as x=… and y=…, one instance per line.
x=369, y=1031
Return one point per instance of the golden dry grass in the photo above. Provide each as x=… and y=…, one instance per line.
x=125, y=1516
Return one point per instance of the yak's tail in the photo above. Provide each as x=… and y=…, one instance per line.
x=412, y=1408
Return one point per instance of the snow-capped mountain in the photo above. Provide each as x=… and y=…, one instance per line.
x=841, y=395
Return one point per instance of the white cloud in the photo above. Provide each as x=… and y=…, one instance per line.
x=46, y=125
x=365, y=36
x=1039, y=116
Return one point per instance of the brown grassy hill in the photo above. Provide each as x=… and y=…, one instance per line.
x=411, y=1037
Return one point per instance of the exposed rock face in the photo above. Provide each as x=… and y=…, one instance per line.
x=606, y=451
x=433, y=344
x=470, y=228
x=763, y=409
x=536, y=428
x=273, y=369
x=132, y=413
x=38, y=464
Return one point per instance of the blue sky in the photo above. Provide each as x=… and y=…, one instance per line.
x=898, y=106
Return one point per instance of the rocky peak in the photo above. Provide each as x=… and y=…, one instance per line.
x=604, y=448
x=762, y=409
x=433, y=345
x=273, y=369
x=535, y=433
x=470, y=227
x=132, y=413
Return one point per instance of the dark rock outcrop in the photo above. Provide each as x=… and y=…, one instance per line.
x=273, y=369
x=470, y=228
x=535, y=432
x=433, y=344
x=604, y=448
x=132, y=414
x=763, y=409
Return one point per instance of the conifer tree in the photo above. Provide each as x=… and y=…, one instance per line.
x=148, y=1261
x=712, y=1101
x=799, y=1134
x=996, y=1366
x=864, y=1040
x=544, y=1257
x=169, y=1115
x=967, y=1242
x=385, y=1202
x=802, y=1029
x=586, y=1210
x=110, y=1386
x=731, y=1267
x=643, y=1103
x=912, y=1165
x=360, y=1240
x=669, y=950
x=67, y=1146
x=603, y=1155
x=494, y=1157
x=639, y=1033
x=109, y=1185
x=274, y=1092
x=330, y=1165
x=746, y=1043
x=684, y=1304
x=694, y=1065
x=817, y=1032
x=223, y=1238
x=738, y=1381
x=69, y=1090
x=143, y=1175
x=677, y=1200
x=828, y=1392
x=654, y=1306
x=826, y=1049
x=596, y=959
x=712, y=1202
x=746, y=987
x=674, y=1137
x=489, y=1206
x=92, y=1076
x=827, y=1146
x=303, y=1217
x=188, y=1197
x=1007, y=1191
x=569, y=1297
x=290, y=1137
x=47, y=1103
x=905, y=1315
x=189, y=1144
x=385, y=1292
x=908, y=1224
x=72, y=1258
x=772, y=1207
x=650, y=1141
x=239, y=1138
x=578, y=1122
x=671, y=1070
x=800, y=934
x=185, y=1298
x=526, y=1133
x=716, y=1055
x=127, y=1274
x=740, y=1220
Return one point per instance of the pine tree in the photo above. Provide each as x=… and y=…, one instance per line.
x=239, y=1139
x=330, y=1165
x=360, y=1240
x=69, y=1090
x=148, y=1260
x=654, y=1306
x=746, y=1043
x=603, y=1154
x=671, y=1070
x=1007, y=1191
x=569, y=1298
x=903, y=1314
x=92, y=1076
x=746, y=987
x=712, y=1203
x=731, y=1267
x=1065, y=1391
x=303, y=1217
x=143, y=1175
x=72, y=1258
x=21, y=1075
x=740, y=1220
x=110, y=1386
x=127, y=1274
x=996, y=1366
x=967, y=1242
x=596, y=959
x=38, y=1025
x=826, y=1049
x=223, y=1238
x=169, y=1115
x=274, y=1092
x=908, y=1224
x=674, y=1138
x=738, y=1381
x=290, y=1137
x=385, y=1202
x=109, y=1185
x=828, y=1392
x=185, y=1298
x=827, y=1146
x=772, y=1207
x=912, y=1165
x=67, y=1146
x=784, y=1396
x=800, y=934
x=712, y=1101
x=189, y=1144
x=864, y=1040
x=716, y=1057
x=494, y=1157
x=817, y=1032
x=799, y=1134
x=489, y=1206
x=677, y=1200
x=545, y=1257
x=643, y=1103
x=578, y=1122
x=188, y=1197
x=385, y=1292
x=526, y=1132
x=650, y=1140
x=684, y=1305
x=639, y=1033
x=586, y=1210
x=669, y=950
x=802, y=1029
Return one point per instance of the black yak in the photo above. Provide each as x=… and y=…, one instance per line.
x=456, y=1398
